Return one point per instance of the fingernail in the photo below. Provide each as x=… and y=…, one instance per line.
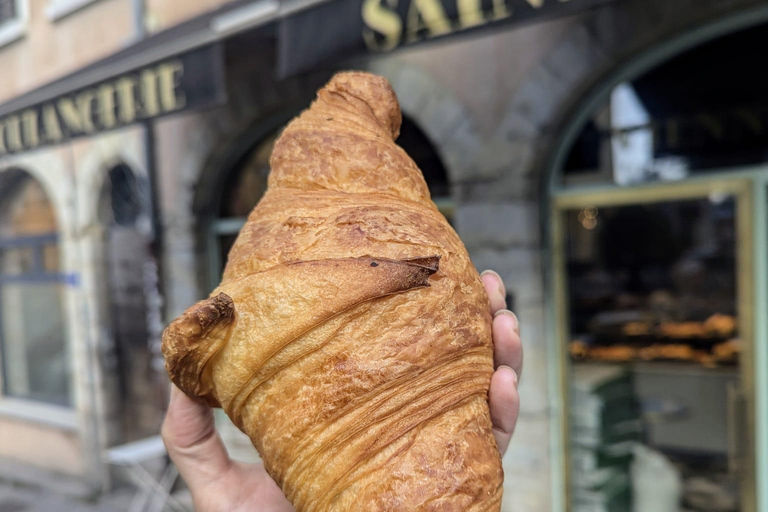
x=514, y=317
x=514, y=373
x=502, y=290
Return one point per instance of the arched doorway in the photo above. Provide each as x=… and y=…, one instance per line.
x=36, y=364
x=658, y=238
x=245, y=183
x=139, y=385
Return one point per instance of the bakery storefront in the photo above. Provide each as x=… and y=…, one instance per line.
x=607, y=158
x=657, y=226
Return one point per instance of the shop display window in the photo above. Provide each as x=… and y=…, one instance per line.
x=655, y=351
x=654, y=282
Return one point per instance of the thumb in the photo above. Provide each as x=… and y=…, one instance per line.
x=192, y=442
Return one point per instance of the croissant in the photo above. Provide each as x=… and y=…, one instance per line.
x=350, y=337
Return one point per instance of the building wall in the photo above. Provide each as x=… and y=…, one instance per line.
x=162, y=14
x=492, y=104
x=51, y=48
x=71, y=440
x=53, y=448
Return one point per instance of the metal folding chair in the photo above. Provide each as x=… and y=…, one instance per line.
x=153, y=494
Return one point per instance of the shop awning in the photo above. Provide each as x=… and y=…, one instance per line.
x=340, y=29
x=182, y=68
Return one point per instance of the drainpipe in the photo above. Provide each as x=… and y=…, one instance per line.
x=139, y=30
x=153, y=282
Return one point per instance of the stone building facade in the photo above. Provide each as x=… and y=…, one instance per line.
x=499, y=108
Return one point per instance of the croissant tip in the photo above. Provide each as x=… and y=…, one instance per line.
x=189, y=335
x=431, y=263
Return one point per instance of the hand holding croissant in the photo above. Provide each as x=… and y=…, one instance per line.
x=350, y=337
x=219, y=484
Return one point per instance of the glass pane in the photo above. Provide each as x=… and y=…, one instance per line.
x=50, y=257
x=17, y=261
x=27, y=210
x=655, y=353
x=35, y=362
x=248, y=183
x=704, y=110
x=645, y=275
x=7, y=10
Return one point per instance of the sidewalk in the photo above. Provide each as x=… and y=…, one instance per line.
x=18, y=498
x=27, y=489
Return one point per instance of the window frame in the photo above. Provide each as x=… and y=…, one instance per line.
x=58, y=9
x=15, y=28
x=61, y=415
x=741, y=184
x=37, y=275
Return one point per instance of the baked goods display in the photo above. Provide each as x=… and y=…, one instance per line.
x=350, y=337
x=724, y=353
x=709, y=342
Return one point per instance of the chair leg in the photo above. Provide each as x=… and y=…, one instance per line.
x=143, y=492
x=149, y=480
x=166, y=483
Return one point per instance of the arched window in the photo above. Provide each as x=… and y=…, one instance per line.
x=246, y=183
x=33, y=345
x=654, y=275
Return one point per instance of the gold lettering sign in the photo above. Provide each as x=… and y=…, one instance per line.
x=140, y=95
x=470, y=13
x=51, y=126
x=84, y=102
x=30, y=131
x=389, y=23
x=501, y=11
x=383, y=20
x=126, y=102
x=3, y=149
x=13, y=133
x=70, y=115
x=426, y=15
x=106, y=102
x=171, y=96
x=148, y=93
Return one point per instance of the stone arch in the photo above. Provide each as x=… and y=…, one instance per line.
x=53, y=176
x=103, y=154
x=440, y=115
x=615, y=43
x=52, y=172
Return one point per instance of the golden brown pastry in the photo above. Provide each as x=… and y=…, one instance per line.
x=676, y=351
x=636, y=329
x=614, y=353
x=683, y=329
x=350, y=337
x=720, y=325
x=727, y=351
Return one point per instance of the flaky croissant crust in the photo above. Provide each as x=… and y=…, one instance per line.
x=350, y=335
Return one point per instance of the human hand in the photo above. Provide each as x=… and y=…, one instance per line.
x=219, y=484
x=503, y=400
